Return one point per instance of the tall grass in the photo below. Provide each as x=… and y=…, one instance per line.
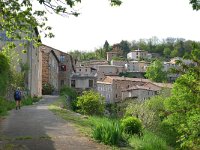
x=149, y=141
x=107, y=131
x=5, y=106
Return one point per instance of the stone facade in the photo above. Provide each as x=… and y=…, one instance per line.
x=137, y=55
x=106, y=70
x=32, y=58
x=136, y=66
x=105, y=89
x=64, y=69
x=84, y=78
x=110, y=55
x=141, y=93
x=118, y=89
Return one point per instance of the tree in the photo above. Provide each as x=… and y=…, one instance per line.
x=91, y=103
x=167, y=52
x=195, y=4
x=174, y=53
x=125, y=47
x=4, y=74
x=19, y=19
x=155, y=72
x=106, y=46
x=183, y=105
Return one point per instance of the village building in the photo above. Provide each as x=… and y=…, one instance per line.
x=92, y=63
x=84, y=78
x=117, y=89
x=64, y=67
x=118, y=63
x=30, y=57
x=111, y=55
x=108, y=70
x=138, y=55
x=136, y=66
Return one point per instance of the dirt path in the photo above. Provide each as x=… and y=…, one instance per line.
x=36, y=128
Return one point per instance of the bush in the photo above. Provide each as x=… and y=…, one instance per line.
x=27, y=101
x=72, y=96
x=131, y=125
x=91, y=103
x=5, y=106
x=109, y=132
x=47, y=89
x=149, y=141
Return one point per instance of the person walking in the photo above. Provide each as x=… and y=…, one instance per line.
x=17, y=97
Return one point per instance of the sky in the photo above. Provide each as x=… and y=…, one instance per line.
x=133, y=20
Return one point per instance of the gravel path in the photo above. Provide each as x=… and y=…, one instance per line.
x=36, y=128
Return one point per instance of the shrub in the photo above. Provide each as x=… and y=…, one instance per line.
x=72, y=94
x=65, y=90
x=91, y=103
x=47, y=89
x=5, y=106
x=149, y=141
x=27, y=101
x=109, y=132
x=131, y=125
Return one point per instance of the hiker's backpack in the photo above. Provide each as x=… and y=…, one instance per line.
x=17, y=95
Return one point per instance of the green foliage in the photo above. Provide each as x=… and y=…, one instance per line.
x=155, y=72
x=47, y=89
x=149, y=141
x=91, y=103
x=131, y=125
x=108, y=131
x=71, y=96
x=185, y=111
x=65, y=90
x=167, y=52
x=148, y=117
x=5, y=106
x=4, y=74
x=183, y=105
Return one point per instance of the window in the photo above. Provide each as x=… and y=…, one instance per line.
x=80, y=70
x=90, y=83
x=85, y=70
x=62, y=68
x=62, y=58
x=73, y=83
x=116, y=95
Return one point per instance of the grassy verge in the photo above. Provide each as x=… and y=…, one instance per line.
x=5, y=106
x=101, y=128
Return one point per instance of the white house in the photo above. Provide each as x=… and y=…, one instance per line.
x=105, y=89
x=136, y=66
x=137, y=55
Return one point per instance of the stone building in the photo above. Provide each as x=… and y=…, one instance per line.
x=50, y=65
x=137, y=55
x=31, y=58
x=64, y=69
x=116, y=89
x=110, y=55
x=108, y=70
x=84, y=78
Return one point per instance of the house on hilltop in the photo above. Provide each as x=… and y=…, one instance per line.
x=116, y=89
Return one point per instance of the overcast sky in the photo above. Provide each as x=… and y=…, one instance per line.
x=133, y=20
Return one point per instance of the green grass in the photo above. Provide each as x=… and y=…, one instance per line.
x=5, y=106
x=106, y=130
x=149, y=141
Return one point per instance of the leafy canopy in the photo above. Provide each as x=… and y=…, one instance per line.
x=155, y=72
